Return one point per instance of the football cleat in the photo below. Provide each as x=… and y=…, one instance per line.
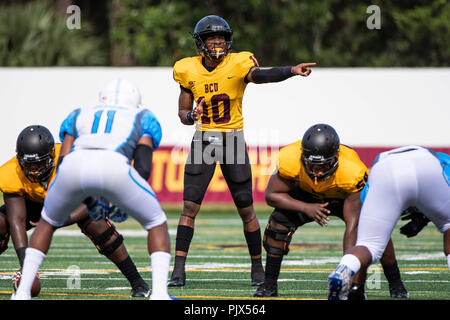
x=356, y=292
x=140, y=291
x=258, y=280
x=263, y=292
x=398, y=290
x=338, y=282
x=176, y=282
x=178, y=278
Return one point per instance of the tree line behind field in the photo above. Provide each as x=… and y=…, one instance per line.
x=333, y=33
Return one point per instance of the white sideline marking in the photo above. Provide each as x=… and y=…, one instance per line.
x=423, y=256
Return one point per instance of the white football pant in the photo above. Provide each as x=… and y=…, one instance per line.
x=104, y=173
x=396, y=182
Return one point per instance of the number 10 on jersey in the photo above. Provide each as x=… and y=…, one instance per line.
x=215, y=99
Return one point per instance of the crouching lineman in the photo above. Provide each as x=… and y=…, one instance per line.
x=24, y=181
x=405, y=177
x=318, y=177
x=98, y=145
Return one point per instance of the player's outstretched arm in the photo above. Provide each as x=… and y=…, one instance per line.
x=277, y=74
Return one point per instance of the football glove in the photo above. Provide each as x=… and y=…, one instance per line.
x=103, y=210
x=117, y=215
x=417, y=223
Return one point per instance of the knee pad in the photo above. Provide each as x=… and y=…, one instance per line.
x=243, y=199
x=279, y=235
x=100, y=240
x=192, y=193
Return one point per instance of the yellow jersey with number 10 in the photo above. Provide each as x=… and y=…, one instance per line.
x=222, y=88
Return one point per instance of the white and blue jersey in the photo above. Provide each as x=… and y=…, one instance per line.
x=112, y=128
x=405, y=177
x=99, y=164
x=104, y=142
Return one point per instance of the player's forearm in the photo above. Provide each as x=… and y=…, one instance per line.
x=143, y=156
x=284, y=201
x=186, y=117
x=16, y=217
x=19, y=235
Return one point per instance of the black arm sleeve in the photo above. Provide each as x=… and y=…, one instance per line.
x=274, y=74
x=143, y=156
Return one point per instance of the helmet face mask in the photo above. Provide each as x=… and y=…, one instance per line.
x=36, y=153
x=318, y=167
x=37, y=168
x=320, y=150
x=210, y=26
x=215, y=45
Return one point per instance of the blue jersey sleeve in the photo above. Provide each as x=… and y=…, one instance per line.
x=69, y=125
x=151, y=127
x=444, y=159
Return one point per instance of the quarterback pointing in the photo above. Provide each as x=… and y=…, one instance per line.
x=98, y=145
x=215, y=80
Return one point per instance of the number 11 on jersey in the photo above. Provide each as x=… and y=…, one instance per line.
x=109, y=120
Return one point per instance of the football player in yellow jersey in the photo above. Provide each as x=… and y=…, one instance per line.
x=24, y=181
x=317, y=177
x=216, y=80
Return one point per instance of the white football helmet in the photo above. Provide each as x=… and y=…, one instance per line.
x=120, y=92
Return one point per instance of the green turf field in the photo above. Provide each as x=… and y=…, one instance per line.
x=218, y=265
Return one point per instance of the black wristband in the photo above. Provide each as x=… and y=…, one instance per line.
x=189, y=117
x=274, y=74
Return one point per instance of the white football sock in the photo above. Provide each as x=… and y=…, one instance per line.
x=351, y=261
x=31, y=263
x=448, y=261
x=160, y=274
